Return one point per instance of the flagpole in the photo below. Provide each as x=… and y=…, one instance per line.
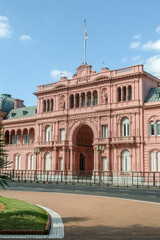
x=85, y=39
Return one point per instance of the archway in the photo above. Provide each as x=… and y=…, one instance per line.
x=84, y=154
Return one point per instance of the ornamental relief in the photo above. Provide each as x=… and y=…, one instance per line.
x=83, y=121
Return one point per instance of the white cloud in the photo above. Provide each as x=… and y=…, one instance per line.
x=134, y=44
x=57, y=74
x=25, y=38
x=136, y=58
x=152, y=65
x=137, y=36
x=158, y=29
x=5, y=29
x=124, y=60
x=152, y=45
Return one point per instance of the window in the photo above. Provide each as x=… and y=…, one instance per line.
x=44, y=106
x=48, y=133
x=105, y=131
x=13, y=139
x=62, y=132
x=6, y=159
x=89, y=99
x=151, y=128
x=104, y=163
x=158, y=128
x=153, y=161
x=83, y=99
x=129, y=92
x=71, y=101
x=125, y=127
x=30, y=162
x=125, y=161
x=17, y=162
x=26, y=138
x=95, y=98
x=119, y=94
x=47, y=161
x=124, y=93
x=61, y=164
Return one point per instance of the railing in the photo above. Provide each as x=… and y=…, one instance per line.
x=108, y=178
x=118, y=140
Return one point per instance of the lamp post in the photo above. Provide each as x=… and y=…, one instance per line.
x=100, y=150
x=36, y=152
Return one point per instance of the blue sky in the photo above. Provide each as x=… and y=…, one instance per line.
x=41, y=38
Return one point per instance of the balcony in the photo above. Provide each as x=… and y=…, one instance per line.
x=123, y=140
x=19, y=146
x=45, y=144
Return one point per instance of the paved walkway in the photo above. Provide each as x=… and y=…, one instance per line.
x=91, y=217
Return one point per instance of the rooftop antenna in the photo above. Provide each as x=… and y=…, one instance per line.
x=85, y=41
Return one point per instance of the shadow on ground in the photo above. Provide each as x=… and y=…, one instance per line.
x=134, y=232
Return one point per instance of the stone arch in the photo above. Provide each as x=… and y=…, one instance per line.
x=79, y=124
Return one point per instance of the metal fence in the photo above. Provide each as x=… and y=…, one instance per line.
x=108, y=178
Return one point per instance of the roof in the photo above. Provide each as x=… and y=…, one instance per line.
x=22, y=112
x=153, y=95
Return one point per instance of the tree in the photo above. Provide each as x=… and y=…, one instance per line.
x=3, y=161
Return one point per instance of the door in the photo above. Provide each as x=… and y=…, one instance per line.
x=82, y=162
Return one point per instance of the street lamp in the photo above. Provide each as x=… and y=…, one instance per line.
x=36, y=152
x=100, y=150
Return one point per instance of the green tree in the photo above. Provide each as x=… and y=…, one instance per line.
x=3, y=161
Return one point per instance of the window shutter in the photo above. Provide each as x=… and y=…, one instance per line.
x=128, y=164
x=16, y=162
x=32, y=164
x=19, y=165
x=152, y=161
x=61, y=164
x=28, y=162
x=104, y=164
x=123, y=164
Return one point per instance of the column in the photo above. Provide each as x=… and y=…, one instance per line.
x=75, y=101
x=86, y=99
x=10, y=141
x=92, y=96
x=64, y=158
x=96, y=159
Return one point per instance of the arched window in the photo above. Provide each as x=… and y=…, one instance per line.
x=77, y=100
x=44, y=105
x=52, y=105
x=17, y=162
x=158, y=128
x=89, y=99
x=125, y=127
x=95, y=98
x=83, y=99
x=71, y=101
x=48, y=133
x=48, y=105
x=126, y=161
x=151, y=128
x=124, y=93
x=30, y=163
x=129, y=92
x=47, y=161
x=119, y=94
x=153, y=161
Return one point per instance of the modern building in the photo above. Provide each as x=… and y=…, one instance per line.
x=118, y=110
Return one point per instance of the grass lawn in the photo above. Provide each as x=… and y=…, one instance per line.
x=19, y=215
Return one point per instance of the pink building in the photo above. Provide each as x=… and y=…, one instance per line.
x=117, y=109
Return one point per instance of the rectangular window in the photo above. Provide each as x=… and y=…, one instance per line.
x=62, y=131
x=13, y=139
x=158, y=129
x=104, y=163
x=25, y=138
x=32, y=159
x=28, y=162
x=16, y=162
x=61, y=164
x=153, y=161
x=19, y=165
x=105, y=131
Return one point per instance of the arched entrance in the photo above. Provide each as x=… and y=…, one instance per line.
x=84, y=153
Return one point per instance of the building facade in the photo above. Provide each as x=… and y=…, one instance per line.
x=117, y=109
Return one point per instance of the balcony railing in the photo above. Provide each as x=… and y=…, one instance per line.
x=19, y=145
x=121, y=140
